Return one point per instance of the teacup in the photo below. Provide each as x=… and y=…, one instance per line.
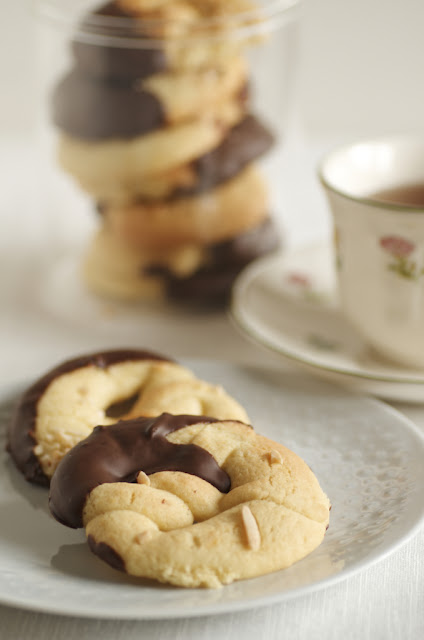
x=375, y=189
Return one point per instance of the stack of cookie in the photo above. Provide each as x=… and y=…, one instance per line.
x=160, y=135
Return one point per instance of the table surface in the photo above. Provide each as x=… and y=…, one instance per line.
x=383, y=601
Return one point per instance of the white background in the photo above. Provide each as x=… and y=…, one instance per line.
x=360, y=68
x=360, y=74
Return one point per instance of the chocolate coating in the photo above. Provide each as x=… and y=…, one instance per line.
x=92, y=109
x=102, y=59
x=210, y=286
x=106, y=553
x=243, y=144
x=247, y=246
x=116, y=453
x=21, y=434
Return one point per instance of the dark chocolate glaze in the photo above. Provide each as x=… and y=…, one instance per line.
x=103, y=59
x=210, y=286
x=21, y=435
x=244, y=143
x=95, y=109
x=116, y=453
x=247, y=246
x=122, y=407
x=106, y=553
x=92, y=109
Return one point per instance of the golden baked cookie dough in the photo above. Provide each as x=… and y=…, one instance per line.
x=185, y=96
x=177, y=528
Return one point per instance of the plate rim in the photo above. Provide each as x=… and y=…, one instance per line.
x=403, y=422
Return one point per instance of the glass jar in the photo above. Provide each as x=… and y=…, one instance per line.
x=163, y=127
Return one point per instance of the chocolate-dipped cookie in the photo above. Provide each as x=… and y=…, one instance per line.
x=187, y=274
x=189, y=501
x=93, y=109
x=64, y=406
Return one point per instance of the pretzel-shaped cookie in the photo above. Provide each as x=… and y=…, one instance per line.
x=213, y=501
x=64, y=406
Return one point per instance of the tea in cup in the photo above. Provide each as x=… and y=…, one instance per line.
x=375, y=189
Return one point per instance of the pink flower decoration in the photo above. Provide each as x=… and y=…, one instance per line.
x=396, y=245
x=299, y=279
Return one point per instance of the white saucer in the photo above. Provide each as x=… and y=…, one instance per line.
x=288, y=303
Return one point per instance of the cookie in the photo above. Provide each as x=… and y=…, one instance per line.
x=91, y=109
x=188, y=18
x=206, y=8
x=187, y=274
x=176, y=37
x=116, y=166
x=221, y=213
x=185, y=95
x=210, y=285
x=63, y=407
x=244, y=143
x=113, y=270
x=190, y=501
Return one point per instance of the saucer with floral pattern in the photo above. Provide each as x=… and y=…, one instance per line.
x=288, y=303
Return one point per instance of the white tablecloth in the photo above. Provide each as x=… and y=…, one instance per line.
x=386, y=601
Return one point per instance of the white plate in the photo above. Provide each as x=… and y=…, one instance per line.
x=367, y=457
x=288, y=303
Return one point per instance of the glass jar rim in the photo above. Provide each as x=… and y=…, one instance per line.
x=124, y=31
